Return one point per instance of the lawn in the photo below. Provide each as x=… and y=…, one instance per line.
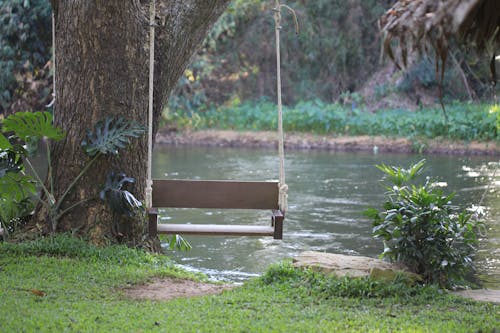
x=83, y=291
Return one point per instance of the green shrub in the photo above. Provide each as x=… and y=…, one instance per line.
x=421, y=228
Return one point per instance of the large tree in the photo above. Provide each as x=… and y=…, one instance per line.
x=102, y=62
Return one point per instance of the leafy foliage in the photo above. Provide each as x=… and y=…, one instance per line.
x=17, y=187
x=30, y=127
x=110, y=135
x=466, y=121
x=335, y=51
x=398, y=175
x=19, y=202
x=4, y=142
x=25, y=36
x=422, y=229
x=26, y=125
x=121, y=201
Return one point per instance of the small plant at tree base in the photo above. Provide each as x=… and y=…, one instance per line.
x=422, y=229
x=19, y=141
x=20, y=135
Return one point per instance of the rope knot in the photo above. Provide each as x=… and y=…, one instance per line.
x=283, y=197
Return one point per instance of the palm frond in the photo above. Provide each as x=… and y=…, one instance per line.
x=419, y=25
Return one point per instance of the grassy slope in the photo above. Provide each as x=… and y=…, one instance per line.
x=83, y=294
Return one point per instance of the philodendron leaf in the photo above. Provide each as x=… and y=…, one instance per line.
x=110, y=135
x=16, y=190
x=29, y=126
x=12, y=209
x=119, y=200
x=4, y=142
x=16, y=186
x=10, y=162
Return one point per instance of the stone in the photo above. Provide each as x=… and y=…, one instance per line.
x=352, y=266
x=482, y=295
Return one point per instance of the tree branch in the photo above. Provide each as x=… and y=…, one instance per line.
x=183, y=26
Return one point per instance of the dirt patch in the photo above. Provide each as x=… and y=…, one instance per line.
x=170, y=288
x=483, y=295
x=215, y=138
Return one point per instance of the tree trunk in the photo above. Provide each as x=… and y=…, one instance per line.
x=102, y=70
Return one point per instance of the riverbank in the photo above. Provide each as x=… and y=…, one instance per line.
x=267, y=139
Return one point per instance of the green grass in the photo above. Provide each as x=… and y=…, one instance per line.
x=83, y=294
x=466, y=121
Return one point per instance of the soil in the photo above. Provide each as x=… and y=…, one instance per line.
x=170, y=288
x=224, y=138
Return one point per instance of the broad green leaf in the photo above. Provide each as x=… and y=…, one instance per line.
x=110, y=135
x=16, y=186
x=12, y=209
x=4, y=142
x=32, y=126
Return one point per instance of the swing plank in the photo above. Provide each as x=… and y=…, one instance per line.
x=175, y=193
x=215, y=194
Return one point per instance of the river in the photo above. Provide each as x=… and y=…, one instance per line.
x=328, y=191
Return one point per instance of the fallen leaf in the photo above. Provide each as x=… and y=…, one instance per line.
x=37, y=292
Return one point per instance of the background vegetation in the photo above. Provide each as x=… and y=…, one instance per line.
x=334, y=58
x=25, y=51
x=335, y=55
x=466, y=121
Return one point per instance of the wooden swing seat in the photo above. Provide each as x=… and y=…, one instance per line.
x=173, y=193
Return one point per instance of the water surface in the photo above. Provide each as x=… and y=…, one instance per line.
x=328, y=192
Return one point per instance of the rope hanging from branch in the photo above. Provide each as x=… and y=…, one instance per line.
x=149, y=182
x=283, y=187
x=53, y=101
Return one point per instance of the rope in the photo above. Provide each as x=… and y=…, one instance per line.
x=53, y=101
x=283, y=188
x=149, y=181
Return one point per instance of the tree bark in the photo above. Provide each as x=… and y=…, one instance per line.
x=102, y=70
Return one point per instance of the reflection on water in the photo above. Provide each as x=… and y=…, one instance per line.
x=327, y=193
